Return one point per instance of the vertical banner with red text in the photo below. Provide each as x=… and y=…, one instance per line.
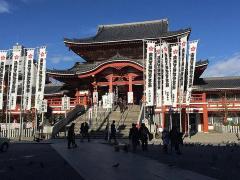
x=159, y=76
x=41, y=76
x=3, y=58
x=28, y=76
x=150, y=62
x=14, y=79
x=174, y=73
x=191, y=69
x=166, y=76
x=182, y=66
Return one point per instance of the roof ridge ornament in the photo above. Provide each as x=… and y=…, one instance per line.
x=118, y=56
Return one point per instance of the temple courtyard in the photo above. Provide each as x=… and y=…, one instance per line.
x=98, y=160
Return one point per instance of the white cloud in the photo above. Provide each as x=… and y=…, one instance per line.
x=58, y=59
x=4, y=7
x=226, y=67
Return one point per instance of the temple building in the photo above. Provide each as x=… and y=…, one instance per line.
x=114, y=61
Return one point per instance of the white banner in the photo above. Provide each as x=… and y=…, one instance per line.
x=110, y=100
x=28, y=76
x=159, y=76
x=43, y=106
x=150, y=74
x=14, y=79
x=41, y=76
x=166, y=76
x=65, y=103
x=90, y=115
x=130, y=97
x=3, y=58
x=95, y=97
x=174, y=73
x=105, y=101
x=182, y=66
x=191, y=69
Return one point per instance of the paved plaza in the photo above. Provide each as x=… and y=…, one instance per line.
x=95, y=161
x=34, y=161
x=204, y=156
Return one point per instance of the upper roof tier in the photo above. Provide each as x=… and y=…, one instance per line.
x=128, y=32
x=125, y=39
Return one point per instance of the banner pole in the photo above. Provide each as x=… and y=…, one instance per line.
x=7, y=106
x=21, y=103
x=144, y=96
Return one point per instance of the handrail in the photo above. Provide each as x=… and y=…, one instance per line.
x=141, y=115
x=73, y=114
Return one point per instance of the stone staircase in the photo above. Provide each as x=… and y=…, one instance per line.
x=123, y=121
x=97, y=124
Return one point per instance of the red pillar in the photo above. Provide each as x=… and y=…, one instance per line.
x=129, y=83
x=205, y=113
x=110, y=80
x=163, y=117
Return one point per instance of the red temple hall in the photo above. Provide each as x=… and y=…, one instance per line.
x=114, y=63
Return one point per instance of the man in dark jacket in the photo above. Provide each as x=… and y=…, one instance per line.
x=144, y=136
x=113, y=132
x=134, y=136
x=71, y=136
x=175, y=139
x=86, y=129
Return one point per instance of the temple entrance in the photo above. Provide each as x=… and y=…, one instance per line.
x=137, y=94
x=122, y=91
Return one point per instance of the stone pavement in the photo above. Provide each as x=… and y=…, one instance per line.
x=213, y=138
x=208, y=138
x=95, y=161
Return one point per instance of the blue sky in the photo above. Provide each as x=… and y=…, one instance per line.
x=46, y=22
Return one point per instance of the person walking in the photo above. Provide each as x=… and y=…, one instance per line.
x=71, y=136
x=175, y=139
x=82, y=131
x=134, y=137
x=106, y=132
x=144, y=136
x=165, y=139
x=86, y=133
x=113, y=133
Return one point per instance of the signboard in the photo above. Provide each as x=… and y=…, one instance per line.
x=130, y=97
x=110, y=100
x=65, y=103
x=43, y=106
x=14, y=79
x=3, y=58
x=150, y=62
x=105, y=101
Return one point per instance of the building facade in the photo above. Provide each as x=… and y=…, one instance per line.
x=114, y=61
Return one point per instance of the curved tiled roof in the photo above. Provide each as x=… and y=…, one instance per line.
x=129, y=32
x=80, y=68
x=217, y=83
x=49, y=89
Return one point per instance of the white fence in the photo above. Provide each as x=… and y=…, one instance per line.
x=226, y=129
x=14, y=133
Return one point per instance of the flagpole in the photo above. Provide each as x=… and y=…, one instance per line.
x=22, y=92
x=143, y=100
x=7, y=104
